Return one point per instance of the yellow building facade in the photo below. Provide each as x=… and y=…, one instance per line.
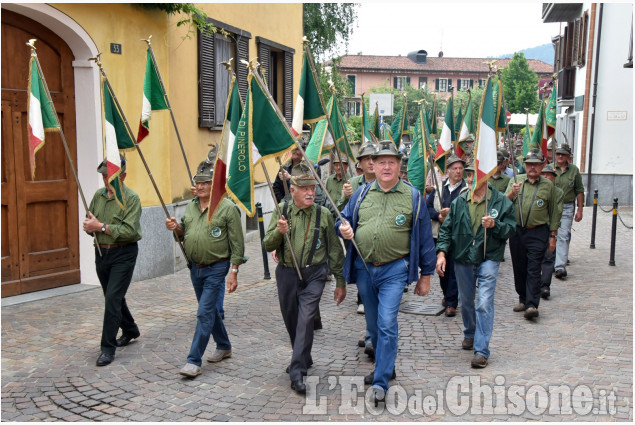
x=117, y=32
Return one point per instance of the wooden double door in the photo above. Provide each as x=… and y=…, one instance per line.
x=40, y=234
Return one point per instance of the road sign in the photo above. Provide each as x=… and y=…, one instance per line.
x=509, y=116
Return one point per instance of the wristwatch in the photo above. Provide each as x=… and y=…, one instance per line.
x=103, y=228
x=235, y=271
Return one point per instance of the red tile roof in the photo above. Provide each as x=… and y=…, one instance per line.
x=371, y=63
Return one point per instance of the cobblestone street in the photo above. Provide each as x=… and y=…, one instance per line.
x=583, y=340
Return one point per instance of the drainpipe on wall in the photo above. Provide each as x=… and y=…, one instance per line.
x=595, y=93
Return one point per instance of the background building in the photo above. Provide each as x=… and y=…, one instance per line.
x=418, y=69
x=42, y=245
x=594, y=61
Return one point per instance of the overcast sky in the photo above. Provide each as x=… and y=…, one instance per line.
x=459, y=29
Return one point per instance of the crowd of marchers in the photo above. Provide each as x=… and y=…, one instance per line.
x=373, y=230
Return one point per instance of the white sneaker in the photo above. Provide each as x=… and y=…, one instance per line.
x=360, y=309
x=190, y=370
x=219, y=355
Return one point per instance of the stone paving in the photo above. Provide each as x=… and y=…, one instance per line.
x=582, y=342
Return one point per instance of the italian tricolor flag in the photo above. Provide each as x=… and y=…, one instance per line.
x=40, y=113
x=485, y=157
x=445, y=140
x=153, y=98
x=308, y=108
x=230, y=129
x=116, y=137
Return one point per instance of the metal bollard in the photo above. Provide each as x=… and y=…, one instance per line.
x=261, y=227
x=595, y=216
x=613, y=233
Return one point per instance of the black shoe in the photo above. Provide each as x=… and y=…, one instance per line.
x=317, y=324
x=361, y=343
x=368, y=379
x=125, y=339
x=308, y=366
x=377, y=396
x=545, y=293
x=561, y=274
x=222, y=316
x=105, y=359
x=298, y=386
x=405, y=289
x=369, y=350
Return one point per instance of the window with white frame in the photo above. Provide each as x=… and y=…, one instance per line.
x=464, y=84
x=482, y=82
x=400, y=83
x=443, y=84
x=352, y=81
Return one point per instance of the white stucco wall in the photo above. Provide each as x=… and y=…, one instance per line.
x=613, y=141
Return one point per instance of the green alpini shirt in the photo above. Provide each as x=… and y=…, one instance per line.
x=123, y=224
x=356, y=182
x=334, y=187
x=301, y=234
x=539, y=201
x=208, y=242
x=385, y=221
x=499, y=183
x=570, y=181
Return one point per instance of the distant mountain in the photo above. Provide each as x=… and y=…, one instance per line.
x=544, y=53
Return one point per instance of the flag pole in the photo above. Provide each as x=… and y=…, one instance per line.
x=286, y=235
x=165, y=95
x=31, y=44
x=317, y=178
x=307, y=51
x=145, y=164
x=484, y=229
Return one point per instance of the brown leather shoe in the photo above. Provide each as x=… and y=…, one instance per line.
x=450, y=311
x=467, y=344
x=519, y=307
x=478, y=361
x=443, y=301
x=531, y=312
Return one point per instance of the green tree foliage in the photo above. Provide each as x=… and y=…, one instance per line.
x=520, y=86
x=328, y=26
x=194, y=17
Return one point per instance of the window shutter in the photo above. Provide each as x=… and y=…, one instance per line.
x=436, y=84
x=449, y=83
x=471, y=83
x=288, y=87
x=242, y=47
x=394, y=83
x=458, y=82
x=264, y=56
x=206, y=82
x=407, y=81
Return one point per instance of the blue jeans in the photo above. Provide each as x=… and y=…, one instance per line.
x=208, y=283
x=381, y=292
x=564, y=236
x=221, y=301
x=479, y=323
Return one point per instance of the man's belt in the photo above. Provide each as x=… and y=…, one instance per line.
x=202, y=266
x=387, y=262
x=112, y=245
x=532, y=227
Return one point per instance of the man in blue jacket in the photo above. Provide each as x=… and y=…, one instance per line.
x=471, y=224
x=389, y=221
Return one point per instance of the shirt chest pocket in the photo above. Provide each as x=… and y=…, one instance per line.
x=540, y=204
x=399, y=216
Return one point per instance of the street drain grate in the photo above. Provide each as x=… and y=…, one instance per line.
x=413, y=307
